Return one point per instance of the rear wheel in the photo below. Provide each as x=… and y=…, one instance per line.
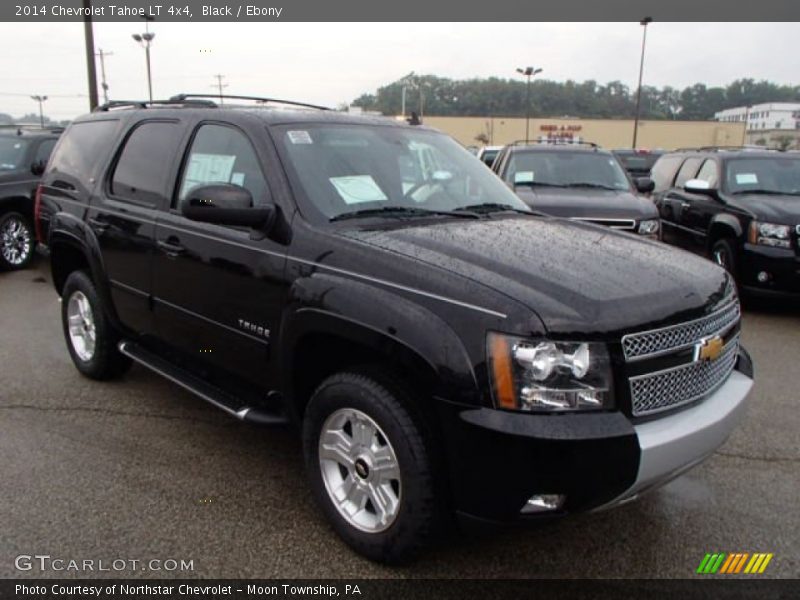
x=17, y=241
x=91, y=339
x=724, y=254
x=369, y=466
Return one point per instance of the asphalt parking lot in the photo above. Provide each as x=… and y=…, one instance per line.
x=140, y=469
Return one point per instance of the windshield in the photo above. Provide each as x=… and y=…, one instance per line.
x=567, y=169
x=388, y=171
x=489, y=156
x=12, y=152
x=778, y=175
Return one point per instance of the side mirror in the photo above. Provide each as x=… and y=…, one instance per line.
x=644, y=185
x=38, y=168
x=225, y=204
x=699, y=186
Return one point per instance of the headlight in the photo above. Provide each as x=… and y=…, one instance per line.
x=540, y=375
x=769, y=234
x=649, y=227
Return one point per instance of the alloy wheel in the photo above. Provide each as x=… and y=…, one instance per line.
x=360, y=470
x=16, y=242
x=82, y=328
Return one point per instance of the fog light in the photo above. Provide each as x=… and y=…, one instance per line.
x=763, y=277
x=543, y=503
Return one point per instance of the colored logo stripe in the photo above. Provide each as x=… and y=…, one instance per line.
x=734, y=563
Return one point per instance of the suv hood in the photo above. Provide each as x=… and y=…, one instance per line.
x=579, y=279
x=587, y=203
x=775, y=209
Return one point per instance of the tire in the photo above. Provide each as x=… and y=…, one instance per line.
x=339, y=409
x=17, y=241
x=91, y=339
x=724, y=254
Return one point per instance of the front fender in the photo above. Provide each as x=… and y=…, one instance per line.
x=382, y=320
x=728, y=221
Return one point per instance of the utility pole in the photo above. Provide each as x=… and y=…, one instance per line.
x=644, y=22
x=40, y=100
x=103, y=83
x=219, y=85
x=528, y=72
x=91, y=71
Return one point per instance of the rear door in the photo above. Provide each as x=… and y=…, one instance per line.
x=219, y=290
x=123, y=215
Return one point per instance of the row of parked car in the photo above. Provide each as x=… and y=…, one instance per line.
x=738, y=206
x=444, y=349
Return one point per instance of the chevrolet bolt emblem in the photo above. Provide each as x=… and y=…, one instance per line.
x=708, y=349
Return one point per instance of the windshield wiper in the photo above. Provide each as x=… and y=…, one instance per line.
x=400, y=211
x=490, y=207
x=589, y=184
x=767, y=192
x=538, y=184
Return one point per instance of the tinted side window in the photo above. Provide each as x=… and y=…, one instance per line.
x=143, y=168
x=44, y=150
x=81, y=148
x=663, y=172
x=221, y=154
x=687, y=171
x=709, y=172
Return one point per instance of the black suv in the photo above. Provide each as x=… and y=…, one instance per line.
x=24, y=151
x=578, y=181
x=443, y=349
x=637, y=162
x=739, y=206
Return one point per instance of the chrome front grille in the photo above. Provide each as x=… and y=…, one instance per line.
x=647, y=344
x=663, y=390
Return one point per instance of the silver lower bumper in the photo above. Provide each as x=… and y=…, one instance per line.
x=672, y=445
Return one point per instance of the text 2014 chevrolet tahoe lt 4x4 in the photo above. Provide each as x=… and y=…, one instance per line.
x=445, y=350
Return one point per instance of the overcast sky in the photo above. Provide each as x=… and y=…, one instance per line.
x=331, y=63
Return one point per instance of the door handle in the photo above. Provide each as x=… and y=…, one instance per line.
x=685, y=204
x=99, y=225
x=170, y=249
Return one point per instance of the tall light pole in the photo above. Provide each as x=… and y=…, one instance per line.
x=644, y=22
x=103, y=83
x=528, y=72
x=144, y=40
x=40, y=100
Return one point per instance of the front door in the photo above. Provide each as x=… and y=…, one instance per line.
x=219, y=290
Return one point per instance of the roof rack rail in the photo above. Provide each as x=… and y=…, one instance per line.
x=748, y=147
x=554, y=142
x=258, y=99
x=113, y=104
x=20, y=127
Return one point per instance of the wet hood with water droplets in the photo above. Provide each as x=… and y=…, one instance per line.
x=580, y=279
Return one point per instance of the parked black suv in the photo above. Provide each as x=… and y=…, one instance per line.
x=738, y=206
x=443, y=349
x=580, y=182
x=24, y=151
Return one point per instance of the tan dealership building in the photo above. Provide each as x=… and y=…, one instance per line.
x=609, y=133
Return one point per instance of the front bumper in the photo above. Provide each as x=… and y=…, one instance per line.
x=500, y=459
x=782, y=266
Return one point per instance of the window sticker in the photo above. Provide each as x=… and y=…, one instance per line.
x=746, y=178
x=523, y=177
x=299, y=137
x=358, y=189
x=237, y=179
x=207, y=168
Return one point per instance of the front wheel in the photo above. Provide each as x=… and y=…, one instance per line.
x=369, y=465
x=17, y=241
x=724, y=254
